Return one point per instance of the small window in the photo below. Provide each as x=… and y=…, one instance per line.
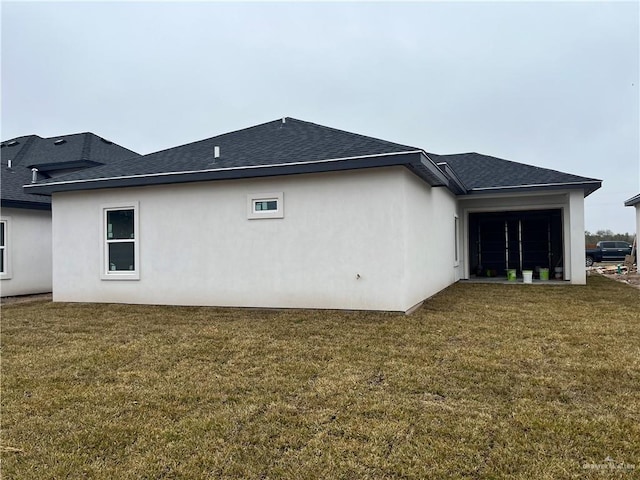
x=120, y=252
x=265, y=205
x=60, y=141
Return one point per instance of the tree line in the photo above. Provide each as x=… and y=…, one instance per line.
x=593, y=238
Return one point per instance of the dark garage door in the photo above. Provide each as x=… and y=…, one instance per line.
x=522, y=240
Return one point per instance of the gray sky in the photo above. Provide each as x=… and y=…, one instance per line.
x=548, y=84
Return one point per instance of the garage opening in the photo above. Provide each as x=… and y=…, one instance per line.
x=520, y=240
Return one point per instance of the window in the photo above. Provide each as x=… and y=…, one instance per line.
x=120, y=252
x=265, y=205
x=456, y=237
x=4, y=263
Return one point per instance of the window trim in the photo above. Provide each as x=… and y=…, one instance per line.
x=105, y=273
x=253, y=198
x=5, y=250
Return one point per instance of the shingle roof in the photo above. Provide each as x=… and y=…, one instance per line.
x=280, y=147
x=483, y=172
x=290, y=146
x=64, y=152
x=270, y=143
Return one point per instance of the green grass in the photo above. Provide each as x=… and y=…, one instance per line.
x=484, y=381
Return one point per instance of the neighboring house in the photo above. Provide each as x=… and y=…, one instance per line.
x=635, y=202
x=294, y=214
x=25, y=218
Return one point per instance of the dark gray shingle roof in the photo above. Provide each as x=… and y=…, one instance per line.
x=483, y=172
x=271, y=143
x=48, y=155
x=280, y=147
x=291, y=146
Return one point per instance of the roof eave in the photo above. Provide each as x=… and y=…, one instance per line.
x=415, y=160
x=455, y=184
x=429, y=171
x=7, y=203
x=588, y=187
x=633, y=201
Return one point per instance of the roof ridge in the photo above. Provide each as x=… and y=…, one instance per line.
x=202, y=140
x=86, y=146
x=351, y=133
x=24, y=149
x=21, y=137
x=65, y=135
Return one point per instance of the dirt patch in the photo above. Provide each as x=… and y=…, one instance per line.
x=632, y=279
x=27, y=298
x=628, y=275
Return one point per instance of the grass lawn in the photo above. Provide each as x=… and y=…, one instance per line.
x=484, y=381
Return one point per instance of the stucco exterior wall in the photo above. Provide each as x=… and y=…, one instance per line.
x=429, y=240
x=28, y=245
x=570, y=202
x=574, y=246
x=637, y=207
x=344, y=242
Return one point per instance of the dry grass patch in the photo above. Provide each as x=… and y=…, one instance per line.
x=484, y=381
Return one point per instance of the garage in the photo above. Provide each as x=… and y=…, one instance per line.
x=520, y=240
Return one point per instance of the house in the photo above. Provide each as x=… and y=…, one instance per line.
x=25, y=218
x=635, y=202
x=294, y=214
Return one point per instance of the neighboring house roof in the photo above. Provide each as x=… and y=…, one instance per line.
x=486, y=174
x=633, y=201
x=51, y=156
x=289, y=146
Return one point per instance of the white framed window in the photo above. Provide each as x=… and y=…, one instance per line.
x=5, y=245
x=456, y=240
x=265, y=205
x=121, y=249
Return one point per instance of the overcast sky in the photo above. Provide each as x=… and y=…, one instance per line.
x=548, y=84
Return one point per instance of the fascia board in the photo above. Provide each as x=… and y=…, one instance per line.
x=407, y=158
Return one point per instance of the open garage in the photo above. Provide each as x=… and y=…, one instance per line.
x=520, y=240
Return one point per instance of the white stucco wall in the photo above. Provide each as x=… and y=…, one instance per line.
x=574, y=246
x=28, y=252
x=571, y=202
x=344, y=242
x=637, y=207
x=429, y=240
